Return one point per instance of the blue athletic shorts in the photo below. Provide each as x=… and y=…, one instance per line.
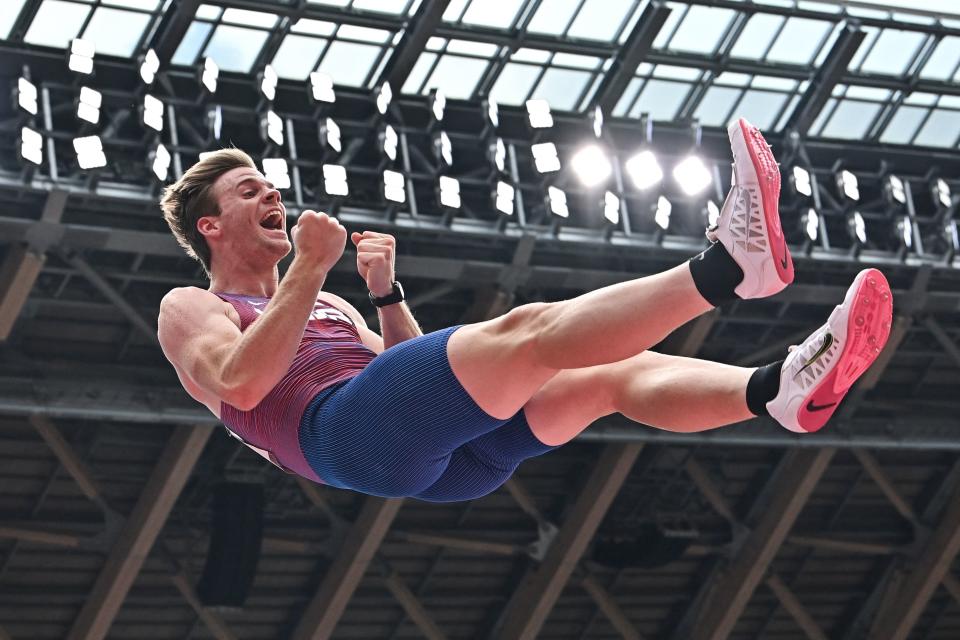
x=406, y=427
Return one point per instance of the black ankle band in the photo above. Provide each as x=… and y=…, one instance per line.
x=763, y=387
x=716, y=275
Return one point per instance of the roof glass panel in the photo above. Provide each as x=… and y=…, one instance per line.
x=715, y=106
x=629, y=94
x=600, y=19
x=249, y=18
x=661, y=99
x=334, y=3
x=116, y=32
x=235, y=48
x=56, y=23
x=456, y=76
x=146, y=5
x=940, y=130
x=799, y=41
x=349, y=63
x=418, y=74
x=314, y=27
x=761, y=108
x=757, y=36
x=903, y=126
x=364, y=34
x=471, y=48
x=208, y=12
x=192, y=42
x=701, y=29
x=942, y=65
x=395, y=7
x=666, y=32
x=893, y=52
x=9, y=16
x=553, y=16
x=514, y=83
x=499, y=14
x=851, y=120
x=297, y=56
x=938, y=6
x=561, y=88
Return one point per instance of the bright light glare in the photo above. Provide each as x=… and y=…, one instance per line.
x=81, y=56
x=330, y=134
x=906, y=232
x=558, y=202
x=31, y=145
x=152, y=112
x=505, y=197
x=211, y=72
x=811, y=225
x=321, y=87
x=268, y=83
x=692, y=175
x=713, y=213
x=275, y=170
x=611, y=207
x=545, y=157
x=897, y=191
x=849, y=185
x=662, y=216
x=27, y=96
x=89, y=152
x=493, y=113
x=274, y=127
x=801, y=181
x=161, y=163
x=498, y=152
x=388, y=140
x=538, y=113
x=450, y=192
x=859, y=227
x=444, y=148
x=335, y=180
x=88, y=108
x=644, y=170
x=149, y=67
x=943, y=193
x=438, y=103
x=394, y=186
x=591, y=165
x=598, y=122
x=384, y=97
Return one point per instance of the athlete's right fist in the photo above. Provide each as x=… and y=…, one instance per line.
x=319, y=238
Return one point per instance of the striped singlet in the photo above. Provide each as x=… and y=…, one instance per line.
x=330, y=352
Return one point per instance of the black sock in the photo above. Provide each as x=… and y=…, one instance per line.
x=763, y=387
x=716, y=275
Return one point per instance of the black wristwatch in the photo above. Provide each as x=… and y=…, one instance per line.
x=393, y=297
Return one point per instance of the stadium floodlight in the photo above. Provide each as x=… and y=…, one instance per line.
x=449, y=192
x=497, y=154
x=662, y=214
x=31, y=146
x=644, y=170
x=591, y=165
x=321, y=88
x=801, y=181
x=692, y=175
x=857, y=228
x=89, y=152
x=276, y=171
x=149, y=65
x=905, y=232
x=438, y=104
x=810, y=223
x=335, y=180
x=161, y=163
x=848, y=185
x=88, y=106
x=394, y=186
x=597, y=122
x=209, y=74
x=80, y=58
x=611, y=207
x=952, y=235
x=538, y=114
x=504, y=197
x=713, y=214
x=384, y=98
x=942, y=192
x=545, y=157
x=330, y=135
x=268, y=82
x=492, y=109
x=443, y=149
x=557, y=202
x=215, y=122
x=27, y=96
x=895, y=189
x=271, y=127
x=153, y=113
x=388, y=142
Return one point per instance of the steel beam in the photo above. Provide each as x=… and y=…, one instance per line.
x=214, y=623
x=176, y=22
x=412, y=606
x=618, y=619
x=793, y=606
x=423, y=24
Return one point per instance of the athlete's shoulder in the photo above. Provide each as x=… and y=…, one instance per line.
x=190, y=301
x=344, y=306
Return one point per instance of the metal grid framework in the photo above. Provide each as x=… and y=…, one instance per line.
x=108, y=469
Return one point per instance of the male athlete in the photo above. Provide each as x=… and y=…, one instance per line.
x=294, y=372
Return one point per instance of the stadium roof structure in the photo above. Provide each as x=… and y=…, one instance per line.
x=108, y=471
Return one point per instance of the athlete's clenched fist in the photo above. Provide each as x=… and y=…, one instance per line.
x=375, y=257
x=319, y=238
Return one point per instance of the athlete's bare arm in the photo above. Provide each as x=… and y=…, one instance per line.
x=207, y=346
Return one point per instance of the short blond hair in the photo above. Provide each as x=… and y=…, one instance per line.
x=191, y=197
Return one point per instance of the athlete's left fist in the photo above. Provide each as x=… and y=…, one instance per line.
x=375, y=257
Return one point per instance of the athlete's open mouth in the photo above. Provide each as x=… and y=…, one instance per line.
x=273, y=220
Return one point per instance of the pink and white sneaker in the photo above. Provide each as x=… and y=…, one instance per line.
x=816, y=375
x=749, y=223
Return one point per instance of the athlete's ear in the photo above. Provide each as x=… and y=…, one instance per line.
x=209, y=225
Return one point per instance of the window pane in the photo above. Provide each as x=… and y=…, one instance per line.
x=756, y=36
x=944, y=60
x=419, y=72
x=235, y=48
x=714, y=108
x=348, y=63
x=115, y=32
x=553, y=16
x=561, y=88
x=297, y=56
x=893, y=52
x=851, y=120
x=799, y=41
x=514, y=82
x=627, y=98
x=190, y=45
x=940, y=130
x=56, y=23
x=383, y=6
x=701, y=30
x=904, y=125
x=761, y=108
x=457, y=77
x=9, y=15
x=600, y=19
x=499, y=14
x=661, y=99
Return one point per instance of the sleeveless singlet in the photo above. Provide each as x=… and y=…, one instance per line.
x=330, y=352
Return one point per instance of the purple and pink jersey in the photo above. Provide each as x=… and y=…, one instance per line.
x=330, y=352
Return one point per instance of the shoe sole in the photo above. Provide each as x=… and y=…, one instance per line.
x=863, y=323
x=776, y=267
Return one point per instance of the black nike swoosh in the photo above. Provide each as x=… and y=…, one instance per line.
x=813, y=407
x=783, y=262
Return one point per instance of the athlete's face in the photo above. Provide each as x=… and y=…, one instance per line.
x=252, y=220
